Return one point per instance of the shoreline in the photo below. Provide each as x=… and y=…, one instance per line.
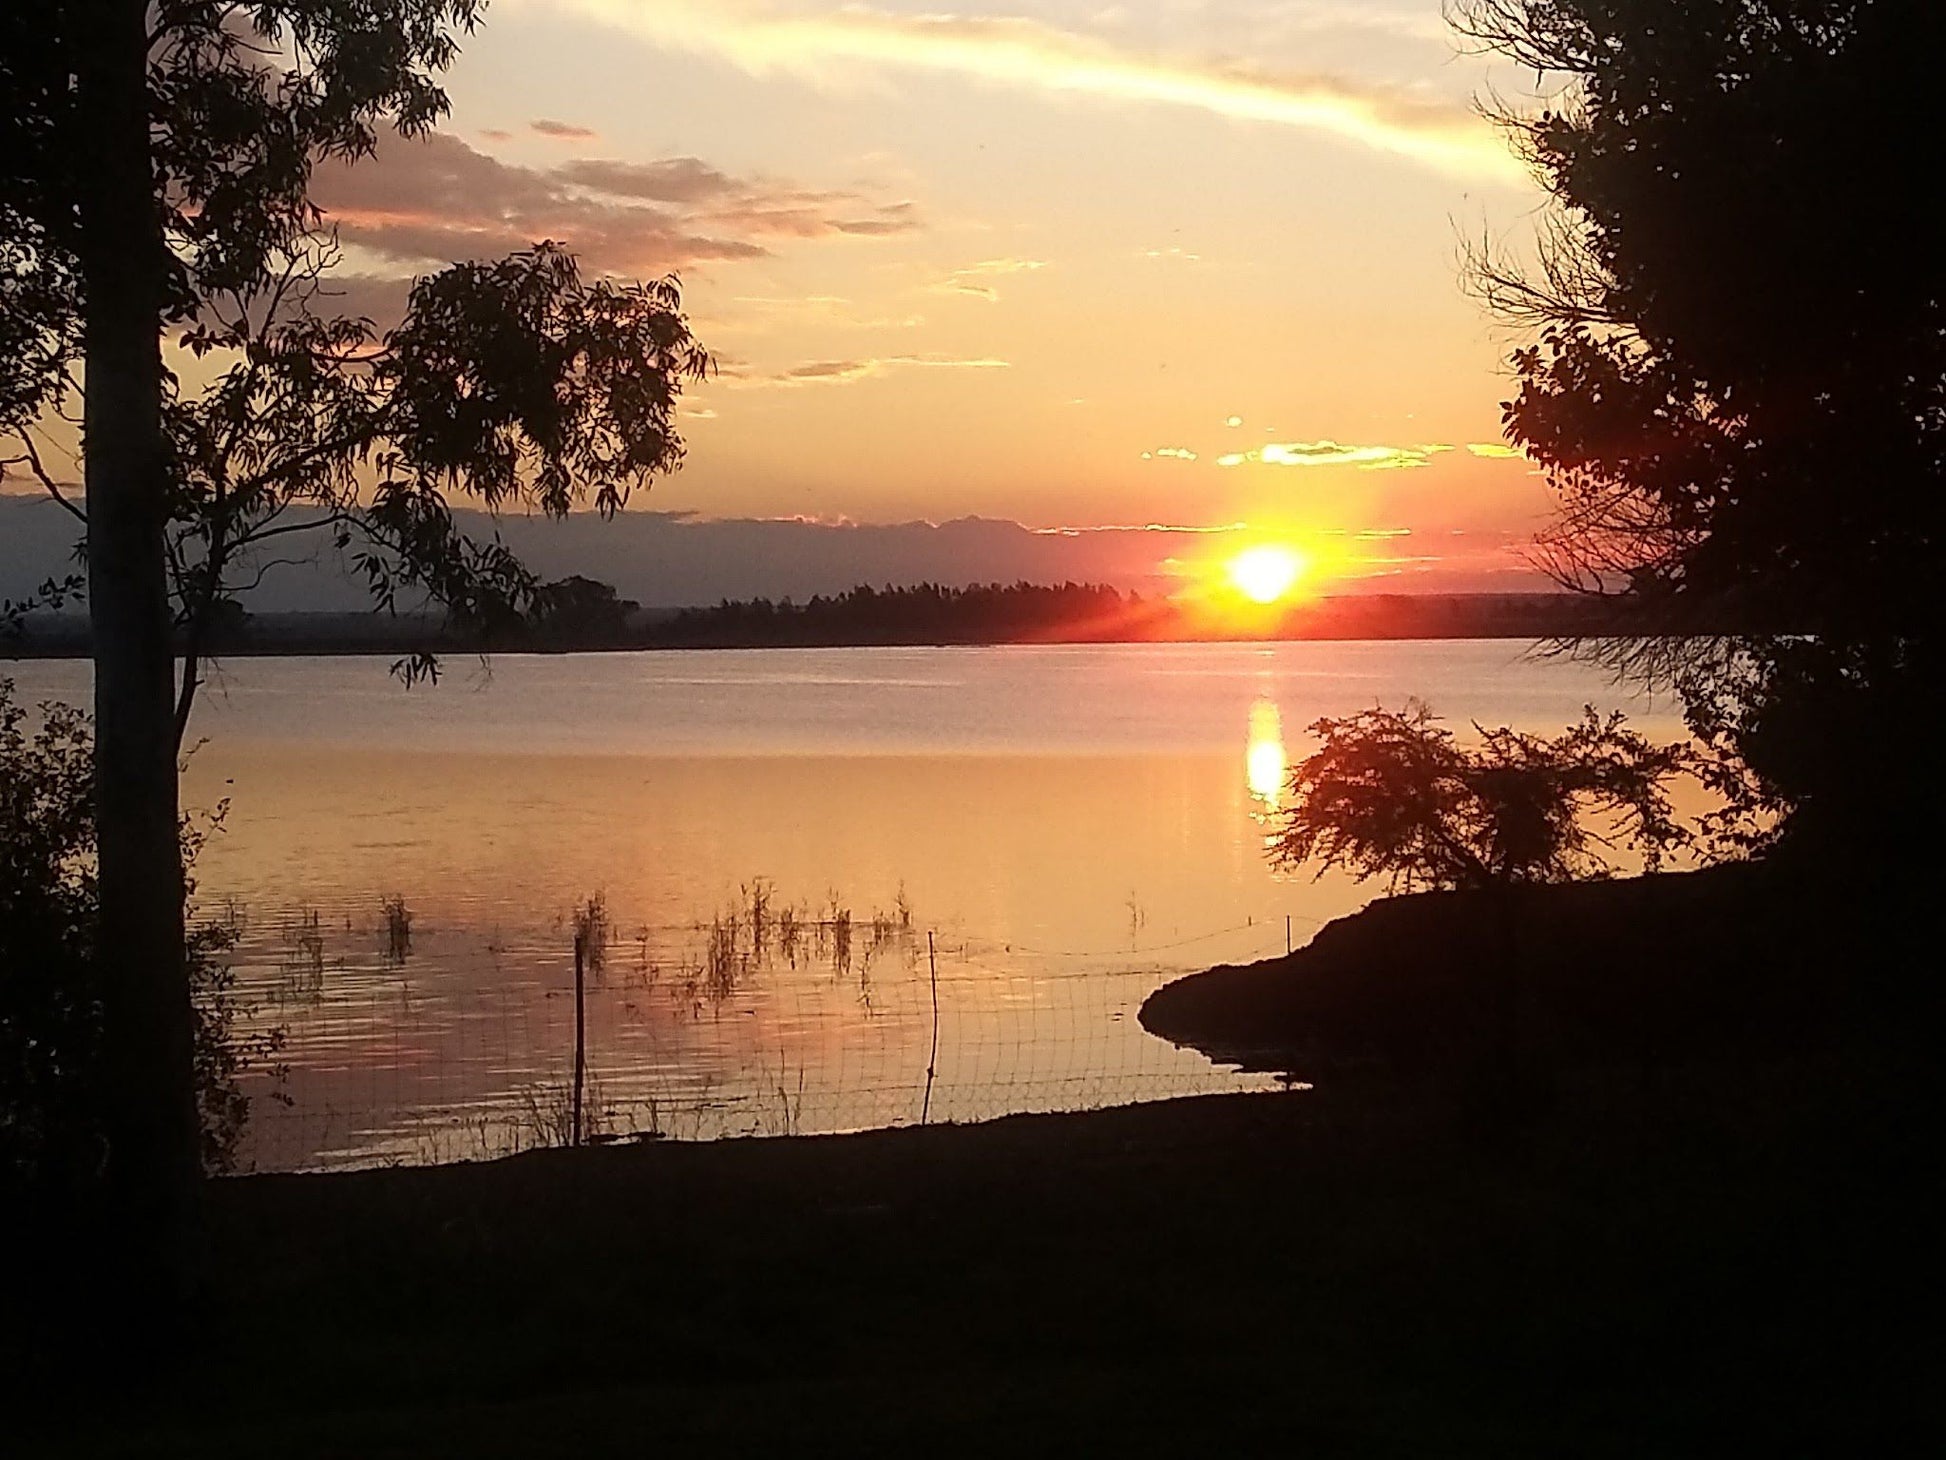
x=1734, y=961
x=1532, y=617
x=1704, y=1252
x=361, y=649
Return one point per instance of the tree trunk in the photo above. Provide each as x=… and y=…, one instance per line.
x=148, y=1091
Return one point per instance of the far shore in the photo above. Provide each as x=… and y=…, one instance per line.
x=437, y=644
x=1530, y=617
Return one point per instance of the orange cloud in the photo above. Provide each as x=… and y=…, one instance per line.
x=562, y=131
x=1330, y=453
x=437, y=200
x=846, y=372
x=1036, y=56
x=969, y=280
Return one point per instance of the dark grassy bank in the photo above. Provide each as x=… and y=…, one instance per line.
x=1703, y=1266
x=1714, y=1251
x=1737, y=962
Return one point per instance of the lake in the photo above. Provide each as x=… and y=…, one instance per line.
x=817, y=874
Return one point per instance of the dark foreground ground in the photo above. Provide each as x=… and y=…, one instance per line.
x=1688, y=1255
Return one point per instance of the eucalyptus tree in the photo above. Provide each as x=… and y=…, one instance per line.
x=155, y=163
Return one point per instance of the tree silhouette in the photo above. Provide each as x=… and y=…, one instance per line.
x=1738, y=387
x=927, y=613
x=155, y=160
x=1392, y=794
x=516, y=380
x=579, y=610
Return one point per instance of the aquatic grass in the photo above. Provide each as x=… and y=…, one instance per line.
x=881, y=930
x=665, y=976
x=301, y=965
x=646, y=969
x=722, y=963
x=757, y=895
x=545, y=1115
x=591, y=933
x=398, y=932
x=840, y=927
x=790, y=1112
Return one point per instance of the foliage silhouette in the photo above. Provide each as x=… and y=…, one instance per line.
x=1738, y=380
x=581, y=610
x=51, y=1137
x=155, y=162
x=1392, y=794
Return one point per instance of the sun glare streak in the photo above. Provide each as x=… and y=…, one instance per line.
x=1266, y=574
x=1264, y=761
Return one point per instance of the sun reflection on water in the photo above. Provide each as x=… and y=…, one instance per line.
x=1264, y=760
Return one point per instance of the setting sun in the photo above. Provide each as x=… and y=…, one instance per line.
x=1266, y=574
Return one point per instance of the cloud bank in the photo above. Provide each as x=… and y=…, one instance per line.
x=677, y=558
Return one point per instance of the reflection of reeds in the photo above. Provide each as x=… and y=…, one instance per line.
x=398, y=932
x=721, y=961
x=789, y=931
x=302, y=964
x=758, y=895
x=646, y=969
x=883, y=931
x=840, y=925
x=754, y=933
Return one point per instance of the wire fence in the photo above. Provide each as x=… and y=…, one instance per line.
x=433, y=1049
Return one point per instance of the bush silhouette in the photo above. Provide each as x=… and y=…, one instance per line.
x=52, y=1137
x=1392, y=794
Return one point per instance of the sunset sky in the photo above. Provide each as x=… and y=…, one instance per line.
x=1190, y=262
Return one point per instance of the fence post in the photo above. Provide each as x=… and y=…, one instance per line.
x=580, y=1034
x=932, y=1060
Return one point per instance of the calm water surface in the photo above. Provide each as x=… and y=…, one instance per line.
x=776, y=837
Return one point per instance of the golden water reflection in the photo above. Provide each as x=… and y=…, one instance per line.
x=1060, y=890
x=1265, y=764
x=987, y=858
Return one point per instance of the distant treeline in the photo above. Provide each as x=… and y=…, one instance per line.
x=582, y=615
x=995, y=613
x=927, y=613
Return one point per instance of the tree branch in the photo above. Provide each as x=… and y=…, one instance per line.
x=32, y=457
x=264, y=534
x=286, y=469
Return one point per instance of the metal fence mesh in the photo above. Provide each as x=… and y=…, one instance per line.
x=419, y=1050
